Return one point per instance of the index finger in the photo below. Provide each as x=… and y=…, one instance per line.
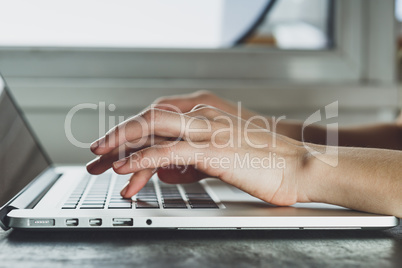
x=151, y=122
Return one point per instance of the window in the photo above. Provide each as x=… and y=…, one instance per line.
x=166, y=24
x=347, y=61
x=296, y=24
x=351, y=60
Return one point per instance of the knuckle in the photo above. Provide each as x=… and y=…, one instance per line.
x=200, y=106
x=151, y=114
x=205, y=111
x=217, y=126
x=137, y=156
x=209, y=111
x=146, y=114
x=204, y=94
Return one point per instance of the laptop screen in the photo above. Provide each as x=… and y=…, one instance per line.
x=21, y=158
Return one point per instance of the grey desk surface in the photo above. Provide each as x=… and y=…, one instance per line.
x=202, y=248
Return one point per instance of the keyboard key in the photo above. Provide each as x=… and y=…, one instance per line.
x=145, y=199
x=146, y=194
x=121, y=200
x=96, y=196
x=199, y=197
x=93, y=203
x=171, y=196
x=172, y=200
x=69, y=207
x=94, y=200
x=174, y=205
x=201, y=201
x=170, y=193
x=205, y=205
x=70, y=203
x=197, y=194
x=74, y=198
x=92, y=207
x=143, y=204
x=120, y=205
x=116, y=196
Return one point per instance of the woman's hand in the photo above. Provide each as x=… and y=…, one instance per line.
x=205, y=141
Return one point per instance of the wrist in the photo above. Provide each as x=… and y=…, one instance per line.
x=296, y=179
x=314, y=172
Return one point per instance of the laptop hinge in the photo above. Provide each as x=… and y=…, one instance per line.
x=3, y=217
x=30, y=195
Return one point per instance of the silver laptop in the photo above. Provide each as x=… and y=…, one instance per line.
x=34, y=194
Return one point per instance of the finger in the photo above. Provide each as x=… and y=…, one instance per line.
x=179, y=154
x=180, y=174
x=153, y=122
x=137, y=181
x=104, y=162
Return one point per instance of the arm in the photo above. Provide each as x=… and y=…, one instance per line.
x=364, y=179
x=361, y=178
x=386, y=136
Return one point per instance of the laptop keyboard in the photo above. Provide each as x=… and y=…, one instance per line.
x=96, y=197
x=75, y=197
x=103, y=192
x=146, y=197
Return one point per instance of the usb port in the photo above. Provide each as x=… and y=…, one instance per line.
x=72, y=222
x=122, y=222
x=95, y=222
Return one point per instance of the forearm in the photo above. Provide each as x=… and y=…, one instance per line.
x=364, y=179
x=386, y=136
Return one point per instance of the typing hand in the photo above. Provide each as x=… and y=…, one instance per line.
x=205, y=141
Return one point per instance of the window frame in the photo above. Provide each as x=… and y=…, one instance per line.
x=354, y=60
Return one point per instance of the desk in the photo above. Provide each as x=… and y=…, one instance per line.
x=193, y=249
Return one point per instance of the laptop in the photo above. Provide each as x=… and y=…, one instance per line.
x=35, y=194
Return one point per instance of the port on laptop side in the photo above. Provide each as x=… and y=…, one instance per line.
x=30, y=195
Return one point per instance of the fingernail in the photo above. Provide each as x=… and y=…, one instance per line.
x=96, y=144
x=124, y=191
x=120, y=163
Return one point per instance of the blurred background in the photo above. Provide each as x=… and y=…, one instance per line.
x=283, y=57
